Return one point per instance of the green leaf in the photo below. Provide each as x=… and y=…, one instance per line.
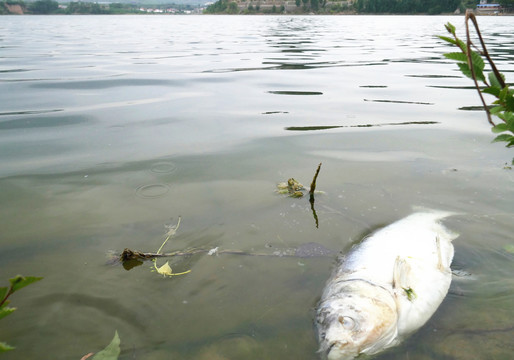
x=447, y=39
x=509, y=119
x=4, y=347
x=500, y=128
x=20, y=281
x=112, y=351
x=509, y=103
x=450, y=28
x=462, y=45
x=496, y=109
x=4, y=311
x=504, y=94
x=477, y=60
x=504, y=137
x=464, y=68
x=494, y=81
x=493, y=90
x=458, y=56
x=3, y=293
x=478, y=65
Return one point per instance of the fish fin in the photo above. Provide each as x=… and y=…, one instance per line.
x=401, y=278
x=440, y=265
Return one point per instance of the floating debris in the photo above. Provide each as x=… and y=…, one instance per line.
x=291, y=187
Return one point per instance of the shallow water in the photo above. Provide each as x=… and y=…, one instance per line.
x=112, y=127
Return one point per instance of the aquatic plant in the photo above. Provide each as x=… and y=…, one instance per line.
x=165, y=270
x=16, y=283
x=471, y=64
x=294, y=189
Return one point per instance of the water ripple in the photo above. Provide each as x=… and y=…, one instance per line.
x=152, y=191
x=29, y=112
x=399, y=101
x=104, y=84
x=163, y=167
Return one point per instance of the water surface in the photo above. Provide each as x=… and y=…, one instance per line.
x=112, y=127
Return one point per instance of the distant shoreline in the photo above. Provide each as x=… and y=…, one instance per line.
x=21, y=8
x=254, y=14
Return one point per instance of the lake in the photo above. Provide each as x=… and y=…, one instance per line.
x=113, y=127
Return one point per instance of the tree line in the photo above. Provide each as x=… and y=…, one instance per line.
x=431, y=7
x=407, y=6
x=44, y=7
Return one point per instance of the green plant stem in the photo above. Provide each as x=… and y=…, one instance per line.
x=165, y=241
x=9, y=293
x=471, y=16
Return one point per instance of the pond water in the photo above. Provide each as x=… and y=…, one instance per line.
x=111, y=127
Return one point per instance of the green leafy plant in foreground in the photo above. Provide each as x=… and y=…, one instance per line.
x=471, y=63
x=16, y=283
x=111, y=351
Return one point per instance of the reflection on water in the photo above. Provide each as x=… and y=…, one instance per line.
x=103, y=84
x=311, y=128
x=42, y=122
x=112, y=126
x=278, y=92
x=399, y=101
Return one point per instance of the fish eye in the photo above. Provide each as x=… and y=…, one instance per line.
x=347, y=322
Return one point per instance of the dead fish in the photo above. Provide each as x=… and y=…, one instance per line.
x=386, y=287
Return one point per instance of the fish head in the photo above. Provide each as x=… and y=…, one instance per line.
x=356, y=322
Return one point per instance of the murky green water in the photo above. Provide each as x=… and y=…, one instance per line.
x=112, y=127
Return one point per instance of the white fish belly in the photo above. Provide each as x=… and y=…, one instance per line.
x=419, y=238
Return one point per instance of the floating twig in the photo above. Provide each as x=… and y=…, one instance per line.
x=311, y=195
x=313, y=184
x=307, y=250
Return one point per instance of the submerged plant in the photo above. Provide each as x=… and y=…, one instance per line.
x=471, y=64
x=16, y=283
x=165, y=270
x=294, y=189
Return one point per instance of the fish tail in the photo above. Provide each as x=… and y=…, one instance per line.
x=436, y=213
x=435, y=216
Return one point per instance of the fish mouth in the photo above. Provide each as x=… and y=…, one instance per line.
x=336, y=350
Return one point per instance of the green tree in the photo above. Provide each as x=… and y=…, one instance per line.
x=407, y=6
x=44, y=7
x=219, y=6
x=232, y=8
